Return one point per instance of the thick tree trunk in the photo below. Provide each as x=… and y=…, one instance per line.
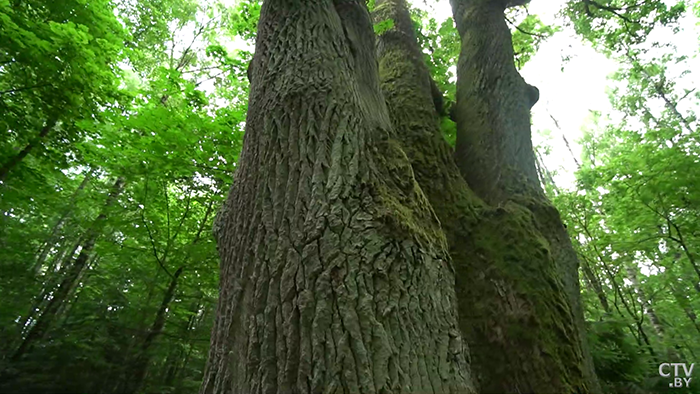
x=60, y=294
x=513, y=308
x=551, y=227
x=335, y=275
x=12, y=162
x=494, y=145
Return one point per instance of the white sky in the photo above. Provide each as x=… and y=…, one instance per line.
x=569, y=95
x=569, y=91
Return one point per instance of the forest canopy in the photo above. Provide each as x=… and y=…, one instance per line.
x=122, y=127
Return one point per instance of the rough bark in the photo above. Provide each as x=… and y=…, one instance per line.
x=494, y=144
x=334, y=271
x=61, y=293
x=513, y=308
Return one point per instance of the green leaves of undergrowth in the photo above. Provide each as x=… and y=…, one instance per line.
x=154, y=93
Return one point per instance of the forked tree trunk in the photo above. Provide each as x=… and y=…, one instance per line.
x=335, y=275
x=513, y=307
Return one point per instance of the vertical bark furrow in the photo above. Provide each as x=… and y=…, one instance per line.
x=493, y=132
x=513, y=306
x=335, y=212
x=494, y=144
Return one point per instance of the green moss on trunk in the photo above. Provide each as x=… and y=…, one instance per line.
x=513, y=307
x=335, y=275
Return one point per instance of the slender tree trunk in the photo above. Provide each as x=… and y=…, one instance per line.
x=175, y=361
x=74, y=293
x=647, y=308
x=54, y=274
x=545, y=176
x=51, y=240
x=335, y=275
x=513, y=309
x=64, y=256
x=597, y=287
x=641, y=334
x=139, y=367
x=671, y=350
x=12, y=162
x=683, y=302
x=51, y=279
x=680, y=240
x=60, y=294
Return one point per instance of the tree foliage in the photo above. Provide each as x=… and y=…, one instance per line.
x=106, y=225
x=121, y=124
x=634, y=210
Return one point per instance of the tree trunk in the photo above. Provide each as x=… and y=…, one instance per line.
x=139, y=367
x=8, y=165
x=60, y=294
x=177, y=359
x=513, y=308
x=51, y=240
x=335, y=275
x=597, y=287
x=647, y=308
x=50, y=280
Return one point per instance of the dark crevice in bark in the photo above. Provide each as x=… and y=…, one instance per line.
x=513, y=305
x=334, y=271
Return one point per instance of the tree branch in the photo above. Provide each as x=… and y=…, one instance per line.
x=529, y=33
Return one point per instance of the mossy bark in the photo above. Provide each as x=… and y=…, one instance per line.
x=514, y=309
x=335, y=275
x=494, y=144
